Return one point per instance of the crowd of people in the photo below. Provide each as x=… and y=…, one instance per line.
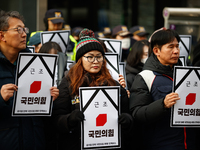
x=145, y=106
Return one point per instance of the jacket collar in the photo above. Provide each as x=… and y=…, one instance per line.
x=154, y=64
x=2, y=56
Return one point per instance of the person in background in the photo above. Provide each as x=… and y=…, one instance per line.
x=107, y=32
x=121, y=32
x=50, y=48
x=35, y=41
x=196, y=63
x=92, y=71
x=67, y=27
x=16, y=133
x=139, y=33
x=54, y=21
x=196, y=55
x=75, y=32
x=136, y=60
x=54, y=48
x=99, y=34
x=152, y=97
x=74, y=37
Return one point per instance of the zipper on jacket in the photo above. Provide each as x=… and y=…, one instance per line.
x=185, y=143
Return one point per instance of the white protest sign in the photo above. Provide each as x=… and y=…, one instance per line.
x=100, y=106
x=183, y=60
x=186, y=111
x=113, y=45
x=31, y=48
x=61, y=37
x=113, y=64
x=34, y=78
x=69, y=62
x=122, y=71
x=185, y=45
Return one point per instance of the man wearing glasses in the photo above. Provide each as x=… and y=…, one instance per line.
x=15, y=132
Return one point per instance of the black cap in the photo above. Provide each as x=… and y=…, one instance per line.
x=55, y=15
x=106, y=31
x=76, y=31
x=121, y=30
x=99, y=34
x=138, y=30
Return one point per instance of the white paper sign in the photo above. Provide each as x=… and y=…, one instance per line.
x=114, y=46
x=185, y=45
x=61, y=37
x=183, y=60
x=186, y=111
x=69, y=62
x=34, y=78
x=122, y=71
x=31, y=48
x=100, y=106
x=113, y=64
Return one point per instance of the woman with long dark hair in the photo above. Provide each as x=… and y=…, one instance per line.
x=135, y=60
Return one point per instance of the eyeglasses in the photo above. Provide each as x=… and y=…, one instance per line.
x=20, y=30
x=92, y=58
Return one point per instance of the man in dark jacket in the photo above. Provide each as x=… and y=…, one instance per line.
x=16, y=133
x=152, y=97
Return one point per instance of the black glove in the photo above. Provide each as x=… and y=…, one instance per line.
x=75, y=117
x=125, y=120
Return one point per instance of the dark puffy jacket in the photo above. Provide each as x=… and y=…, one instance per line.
x=147, y=108
x=131, y=73
x=70, y=138
x=17, y=133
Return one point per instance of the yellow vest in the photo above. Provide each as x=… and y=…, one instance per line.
x=32, y=33
x=73, y=57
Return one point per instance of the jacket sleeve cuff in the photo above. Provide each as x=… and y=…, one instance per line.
x=3, y=103
x=163, y=104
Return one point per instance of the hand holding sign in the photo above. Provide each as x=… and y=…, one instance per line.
x=122, y=81
x=7, y=91
x=75, y=117
x=125, y=120
x=54, y=92
x=171, y=99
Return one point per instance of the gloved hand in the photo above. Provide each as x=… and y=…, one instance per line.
x=125, y=120
x=75, y=117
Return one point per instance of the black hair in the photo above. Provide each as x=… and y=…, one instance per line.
x=163, y=37
x=135, y=55
x=46, y=47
